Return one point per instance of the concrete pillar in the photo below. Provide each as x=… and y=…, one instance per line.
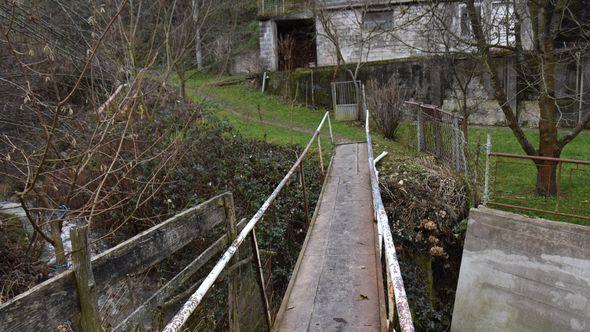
x=269, y=56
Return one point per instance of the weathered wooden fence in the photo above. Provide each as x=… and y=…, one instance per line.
x=69, y=299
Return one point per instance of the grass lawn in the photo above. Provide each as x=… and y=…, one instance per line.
x=265, y=117
x=513, y=180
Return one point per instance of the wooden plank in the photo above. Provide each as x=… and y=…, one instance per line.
x=296, y=268
x=85, y=283
x=54, y=301
x=172, y=286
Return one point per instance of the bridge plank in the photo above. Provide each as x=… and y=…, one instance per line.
x=337, y=285
x=55, y=301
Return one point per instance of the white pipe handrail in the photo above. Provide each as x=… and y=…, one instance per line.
x=191, y=304
x=395, y=283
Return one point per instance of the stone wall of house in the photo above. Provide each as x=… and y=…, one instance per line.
x=432, y=83
x=360, y=43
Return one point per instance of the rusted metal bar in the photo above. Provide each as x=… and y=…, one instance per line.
x=189, y=307
x=511, y=206
x=540, y=158
x=486, y=183
x=432, y=107
x=260, y=278
x=392, y=264
x=558, y=184
x=304, y=188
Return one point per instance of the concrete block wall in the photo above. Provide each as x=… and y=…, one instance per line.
x=523, y=274
x=269, y=58
x=358, y=45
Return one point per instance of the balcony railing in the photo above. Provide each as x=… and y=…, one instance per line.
x=282, y=7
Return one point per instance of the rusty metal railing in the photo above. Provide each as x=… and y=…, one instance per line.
x=396, y=292
x=191, y=304
x=513, y=184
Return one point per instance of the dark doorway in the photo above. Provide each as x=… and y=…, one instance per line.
x=296, y=44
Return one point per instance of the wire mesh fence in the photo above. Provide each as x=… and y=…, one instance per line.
x=499, y=179
x=439, y=133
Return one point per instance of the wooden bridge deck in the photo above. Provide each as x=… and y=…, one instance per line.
x=336, y=285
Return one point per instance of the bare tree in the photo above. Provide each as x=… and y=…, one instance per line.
x=386, y=103
x=92, y=152
x=554, y=27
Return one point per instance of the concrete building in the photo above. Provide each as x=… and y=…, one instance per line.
x=321, y=33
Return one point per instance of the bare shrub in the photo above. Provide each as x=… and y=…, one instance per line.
x=385, y=101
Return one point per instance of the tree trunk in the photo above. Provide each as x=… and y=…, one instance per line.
x=464, y=125
x=548, y=147
x=183, y=89
x=546, y=184
x=546, y=178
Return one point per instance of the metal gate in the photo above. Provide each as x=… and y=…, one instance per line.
x=344, y=98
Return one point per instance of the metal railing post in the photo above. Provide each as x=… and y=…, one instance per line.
x=232, y=232
x=419, y=133
x=321, y=156
x=456, y=155
x=330, y=127
x=260, y=278
x=486, y=183
x=263, y=81
x=184, y=313
x=558, y=185
x=305, y=206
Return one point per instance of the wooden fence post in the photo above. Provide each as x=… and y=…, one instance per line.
x=260, y=278
x=85, y=283
x=233, y=278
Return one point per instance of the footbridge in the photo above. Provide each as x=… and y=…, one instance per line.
x=338, y=282
x=347, y=276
